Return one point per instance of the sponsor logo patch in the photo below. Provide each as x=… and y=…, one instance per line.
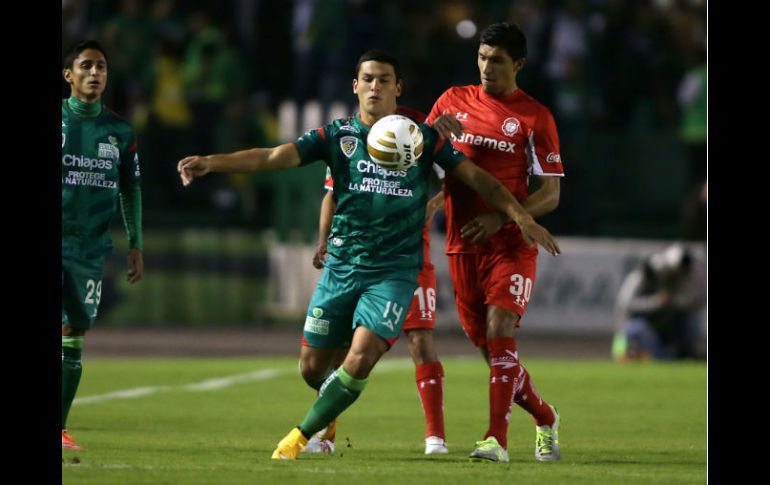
x=108, y=151
x=316, y=325
x=553, y=158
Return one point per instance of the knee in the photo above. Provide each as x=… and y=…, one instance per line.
x=420, y=344
x=313, y=371
x=501, y=322
x=359, y=364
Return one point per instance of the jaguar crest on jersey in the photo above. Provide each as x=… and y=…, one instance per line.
x=510, y=126
x=348, y=145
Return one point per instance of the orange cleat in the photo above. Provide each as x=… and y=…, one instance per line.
x=67, y=443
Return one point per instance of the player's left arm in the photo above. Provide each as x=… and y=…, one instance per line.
x=546, y=198
x=130, y=196
x=436, y=203
x=546, y=167
x=328, y=206
x=495, y=194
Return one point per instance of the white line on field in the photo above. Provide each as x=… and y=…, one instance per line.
x=220, y=383
x=207, y=385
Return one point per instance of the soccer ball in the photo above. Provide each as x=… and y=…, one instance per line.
x=395, y=143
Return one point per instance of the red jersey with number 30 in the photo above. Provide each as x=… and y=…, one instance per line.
x=510, y=137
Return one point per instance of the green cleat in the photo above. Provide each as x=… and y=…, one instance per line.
x=490, y=450
x=547, y=440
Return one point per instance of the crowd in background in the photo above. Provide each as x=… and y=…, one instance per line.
x=204, y=76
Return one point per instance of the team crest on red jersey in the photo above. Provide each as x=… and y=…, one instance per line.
x=510, y=126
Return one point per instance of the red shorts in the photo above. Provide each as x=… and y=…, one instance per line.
x=503, y=279
x=422, y=311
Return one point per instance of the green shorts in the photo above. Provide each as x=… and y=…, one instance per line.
x=348, y=296
x=81, y=291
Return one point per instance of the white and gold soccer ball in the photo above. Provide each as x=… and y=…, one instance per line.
x=395, y=143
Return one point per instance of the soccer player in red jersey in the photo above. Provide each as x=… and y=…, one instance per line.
x=511, y=135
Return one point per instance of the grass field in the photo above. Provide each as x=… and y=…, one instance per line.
x=216, y=421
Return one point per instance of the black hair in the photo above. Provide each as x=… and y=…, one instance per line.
x=379, y=55
x=73, y=54
x=506, y=35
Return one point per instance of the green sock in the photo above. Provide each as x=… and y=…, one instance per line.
x=71, y=369
x=337, y=394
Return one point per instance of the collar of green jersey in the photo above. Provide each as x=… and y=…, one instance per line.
x=81, y=108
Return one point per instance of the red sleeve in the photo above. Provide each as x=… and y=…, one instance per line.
x=411, y=113
x=545, y=140
x=438, y=108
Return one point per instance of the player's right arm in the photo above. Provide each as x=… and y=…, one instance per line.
x=252, y=160
x=442, y=120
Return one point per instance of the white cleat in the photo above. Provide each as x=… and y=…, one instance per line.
x=547, y=440
x=435, y=446
x=317, y=445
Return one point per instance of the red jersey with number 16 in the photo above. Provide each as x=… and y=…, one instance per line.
x=511, y=137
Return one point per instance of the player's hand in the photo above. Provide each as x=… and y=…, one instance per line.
x=482, y=227
x=319, y=258
x=135, y=266
x=447, y=125
x=532, y=231
x=192, y=167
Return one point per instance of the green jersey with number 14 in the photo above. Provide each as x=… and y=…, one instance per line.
x=380, y=213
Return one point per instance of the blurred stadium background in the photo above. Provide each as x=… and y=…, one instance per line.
x=228, y=261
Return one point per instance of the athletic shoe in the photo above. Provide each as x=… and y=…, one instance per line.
x=290, y=446
x=489, y=449
x=547, y=440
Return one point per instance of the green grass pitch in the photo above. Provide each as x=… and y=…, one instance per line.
x=216, y=421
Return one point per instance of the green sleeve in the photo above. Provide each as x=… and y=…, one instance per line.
x=313, y=145
x=444, y=154
x=131, y=209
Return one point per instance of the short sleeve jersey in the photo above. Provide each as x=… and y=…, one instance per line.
x=380, y=213
x=512, y=138
x=99, y=158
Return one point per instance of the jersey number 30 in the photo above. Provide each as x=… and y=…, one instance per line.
x=520, y=288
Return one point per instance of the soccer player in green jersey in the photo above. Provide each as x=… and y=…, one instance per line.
x=375, y=246
x=100, y=166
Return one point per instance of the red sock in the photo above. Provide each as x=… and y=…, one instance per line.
x=430, y=386
x=527, y=397
x=504, y=369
